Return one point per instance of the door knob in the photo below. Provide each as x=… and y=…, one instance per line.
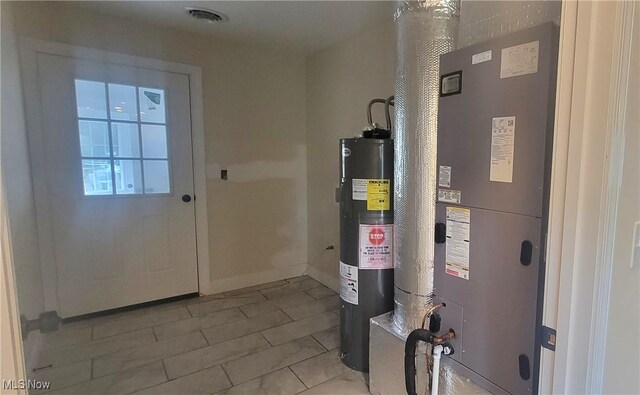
x=186, y=198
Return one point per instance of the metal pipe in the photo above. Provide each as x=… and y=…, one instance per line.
x=371, y=103
x=388, y=102
x=431, y=311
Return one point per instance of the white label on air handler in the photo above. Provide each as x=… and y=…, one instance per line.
x=458, y=238
x=449, y=196
x=503, y=134
x=359, y=189
x=481, y=57
x=349, y=283
x=519, y=60
x=444, y=176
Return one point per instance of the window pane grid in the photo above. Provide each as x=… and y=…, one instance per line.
x=144, y=186
x=122, y=121
x=113, y=170
x=113, y=173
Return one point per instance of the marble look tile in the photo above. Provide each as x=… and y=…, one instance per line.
x=292, y=299
x=223, y=304
x=275, y=304
x=127, y=359
x=270, y=360
x=205, y=298
x=315, y=307
x=282, y=382
x=204, y=382
x=297, y=329
x=330, y=338
x=350, y=383
x=298, y=278
x=290, y=288
x=96, y=348
x=122, y=383
x=63, y=376
x=253, y=309
x=254, y=288
x=183, y=364
x=65, y=337
x=233, y=330
x=144, y=321
x=321, y=292
x=320, y=368
x=195, y=324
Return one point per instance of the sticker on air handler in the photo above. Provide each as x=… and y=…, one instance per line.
x=458, y=238
x=349, y=283
x=378, y=194
x=503, y=130
x=376, y=247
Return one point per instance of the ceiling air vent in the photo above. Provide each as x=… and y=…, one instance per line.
x=203, y=14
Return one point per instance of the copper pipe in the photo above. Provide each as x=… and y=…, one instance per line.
x=447, y=336
x=431, y=311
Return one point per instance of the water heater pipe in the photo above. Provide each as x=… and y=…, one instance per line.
x=389, y=102
x=371, y=103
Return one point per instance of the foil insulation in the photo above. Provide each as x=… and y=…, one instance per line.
x=484, y=20
x=425, y=30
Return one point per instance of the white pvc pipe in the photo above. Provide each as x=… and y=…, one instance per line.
x=437, y=353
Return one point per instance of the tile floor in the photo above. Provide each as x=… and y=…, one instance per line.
x=275, y=338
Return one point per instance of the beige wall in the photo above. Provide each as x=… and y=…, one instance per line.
x=17, y=176
x=254, y=118
x=340, y=82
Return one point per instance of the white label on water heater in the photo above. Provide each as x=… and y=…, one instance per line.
x=376, y=247
x=359, y=189
x=503, y=133
x=444, y=176
x=458, y=239
x=349, y=283
x=519, y=60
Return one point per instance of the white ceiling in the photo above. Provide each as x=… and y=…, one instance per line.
x=301, y=26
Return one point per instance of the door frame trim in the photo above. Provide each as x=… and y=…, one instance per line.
x=29, y=49
x=584, y=173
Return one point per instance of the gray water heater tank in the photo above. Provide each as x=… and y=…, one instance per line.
x=366, y=242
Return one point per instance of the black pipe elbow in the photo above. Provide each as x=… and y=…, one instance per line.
x=410, y=357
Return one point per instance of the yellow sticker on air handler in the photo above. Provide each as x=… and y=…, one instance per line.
x=378, y=195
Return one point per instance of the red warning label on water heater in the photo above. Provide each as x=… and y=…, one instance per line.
x=376, y=247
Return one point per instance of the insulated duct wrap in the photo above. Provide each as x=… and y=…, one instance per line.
x=484, y=20
x=425, y=30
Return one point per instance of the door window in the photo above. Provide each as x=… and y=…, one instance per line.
x=123, y=147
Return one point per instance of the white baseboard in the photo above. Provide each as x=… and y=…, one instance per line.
x=248, y=280
x=327, y=279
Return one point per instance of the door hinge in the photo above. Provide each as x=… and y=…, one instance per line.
x=548, y=340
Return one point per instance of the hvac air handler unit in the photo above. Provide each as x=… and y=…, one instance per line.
x=495, y=134
x=366, y=236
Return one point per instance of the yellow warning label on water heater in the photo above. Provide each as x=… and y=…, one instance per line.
x=378, y=194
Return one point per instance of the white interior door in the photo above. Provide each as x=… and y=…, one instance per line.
x=119, y=165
